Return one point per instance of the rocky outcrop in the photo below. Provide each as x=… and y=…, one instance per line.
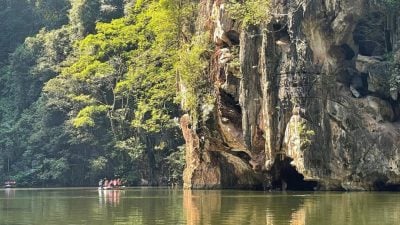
x=303, y=101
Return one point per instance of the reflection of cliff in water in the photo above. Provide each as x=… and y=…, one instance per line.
x=225, y=207
x=231, y=207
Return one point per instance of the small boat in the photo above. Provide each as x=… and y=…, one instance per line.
x=112, y=188
x=10, y=184
x=114, y=184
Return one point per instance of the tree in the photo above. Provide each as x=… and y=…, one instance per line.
x=96, y=97
x=53, y=14
x=84, y=15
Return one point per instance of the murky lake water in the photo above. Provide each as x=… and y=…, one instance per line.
x=169, y=206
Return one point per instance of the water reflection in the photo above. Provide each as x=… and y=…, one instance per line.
x=111, y=197
x=298, y=217
x=185, y=207
x=9, y=193
x=199, y=205
x=353, y=208
x=235, y=207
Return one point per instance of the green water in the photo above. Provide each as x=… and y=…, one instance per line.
x=170, y=206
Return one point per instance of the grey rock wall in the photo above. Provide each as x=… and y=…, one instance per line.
x=303, y=100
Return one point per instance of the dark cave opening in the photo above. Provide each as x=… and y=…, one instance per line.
x=276, y=26
x=360, y=83
x=286, y=177
x=347, y=51
x=382, y=185
x=230, y=101
x=242, y=155
x=371, y=36
x=391, y=187
x=234, y=37
x=281, y=34
x=364, y=79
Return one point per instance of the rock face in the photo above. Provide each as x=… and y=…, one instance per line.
x=302, y=101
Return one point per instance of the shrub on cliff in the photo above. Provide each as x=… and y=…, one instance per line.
x=250, y=12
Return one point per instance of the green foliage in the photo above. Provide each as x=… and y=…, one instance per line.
x=176, y=164
x=111, y=9
x=191, y=67
x=17, y=22
x=249, y=12
x=95, y=97
x=127, y=68
x=305, y=134
x=394, y=81
x=23, y=18
x=132, y=146
x=392, y=4
x=85, y=116
x=53, y=169
x=33, y=63
x=98, y=164
x=53, y=13
x=83, y=15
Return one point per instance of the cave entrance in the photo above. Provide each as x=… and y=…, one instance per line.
x=382, y=185
x=286, y=177
x=234, y=37
x=281, y=34
x=371, y=35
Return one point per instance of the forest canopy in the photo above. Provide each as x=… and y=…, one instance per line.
x=89, y=89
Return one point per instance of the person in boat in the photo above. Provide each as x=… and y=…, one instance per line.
x=9, y=183
x=114, y=183
x=101, y=183
x=106, y=183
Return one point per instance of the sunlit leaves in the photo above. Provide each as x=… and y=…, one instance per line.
x=98, y=164
x=191, y=67
x=88, y=67
x=85, y=99
x=106, y=91
x=85, y=117
x=250, y=12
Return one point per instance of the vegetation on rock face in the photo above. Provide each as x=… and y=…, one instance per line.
x=191, y=68
x=392, y=4
x=250, y=12
x=305, y=134
x=92, y=93
x=394, y=77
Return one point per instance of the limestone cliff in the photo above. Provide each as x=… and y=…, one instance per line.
x=303, y=101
